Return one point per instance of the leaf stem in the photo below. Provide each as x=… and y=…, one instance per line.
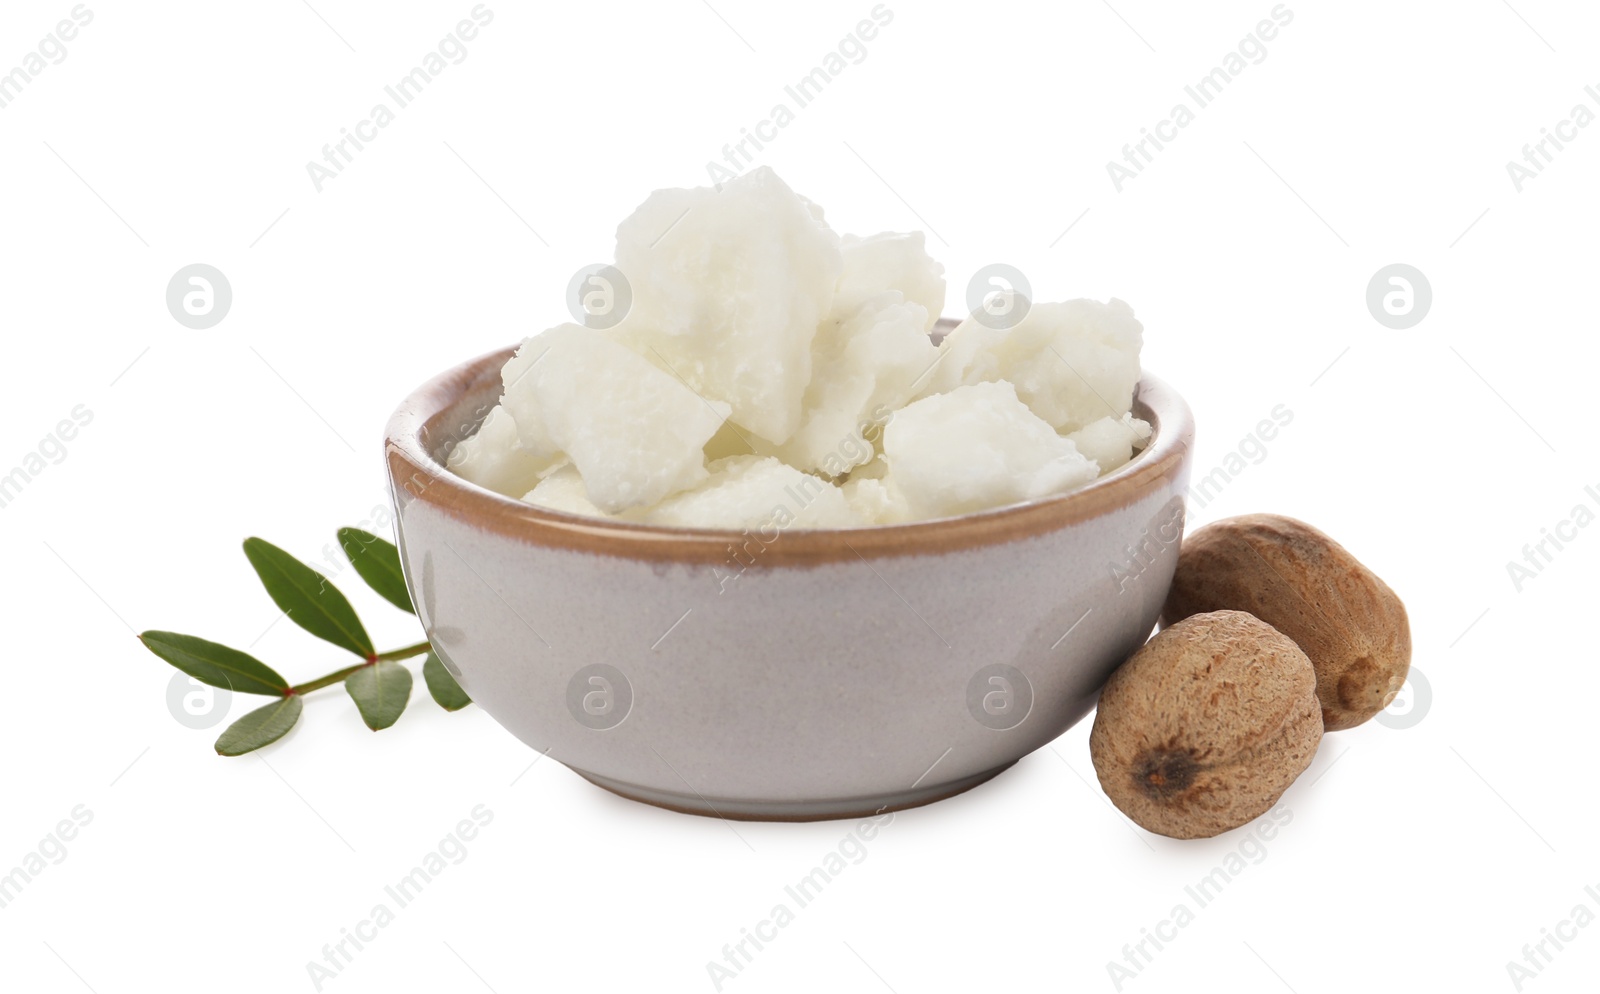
x=325, y=681
x=337, y=676
x=405, y=653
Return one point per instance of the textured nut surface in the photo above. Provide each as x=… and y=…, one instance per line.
x=1204, y=728
x=1310, y=588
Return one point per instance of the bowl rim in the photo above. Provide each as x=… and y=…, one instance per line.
x=415, y=474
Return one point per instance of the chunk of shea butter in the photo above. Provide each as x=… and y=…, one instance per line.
x=889, y=260
x=1072, y=363
x=1111, y=442
x=876, y=469
x=635, y=433
x=728, y=289
x=732, y=440
x=519, y=401
x=755, y=492
x=875, y=502
x=564, y=490
x=494, y=457
x=978, y=447
x=865, y=368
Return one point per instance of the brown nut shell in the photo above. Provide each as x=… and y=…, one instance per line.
x=1310, y=588
x=1204, y=728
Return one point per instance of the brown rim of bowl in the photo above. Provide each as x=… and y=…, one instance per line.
x=416, y=475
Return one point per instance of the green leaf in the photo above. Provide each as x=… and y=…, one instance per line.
x=442, y=685
x=308, y=598
x=378, y=563
x=263, y=726
x=215, y=664
x=381, y=692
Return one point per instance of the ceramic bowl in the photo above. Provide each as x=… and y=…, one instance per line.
x=792, y=675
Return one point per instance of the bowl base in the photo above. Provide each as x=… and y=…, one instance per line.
x=822, y=810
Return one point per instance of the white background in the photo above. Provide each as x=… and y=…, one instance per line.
x=1423, y=857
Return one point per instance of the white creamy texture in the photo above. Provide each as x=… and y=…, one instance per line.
x=875, y=502
x=728, y=289
x=770, y=373
x=977, y=447
x=731, y=440
x=877, y=469
x=522, y=403
x=889, y=260
x=635, y=433
x=564, y=490
x=1072, y=363
x=864, y=370
x=494, y=458
x=755, y=492
x=1111, y=442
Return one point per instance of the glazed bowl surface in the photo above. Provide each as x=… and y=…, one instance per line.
x=783, y=674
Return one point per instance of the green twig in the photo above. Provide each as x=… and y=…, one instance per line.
x=338, y=675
